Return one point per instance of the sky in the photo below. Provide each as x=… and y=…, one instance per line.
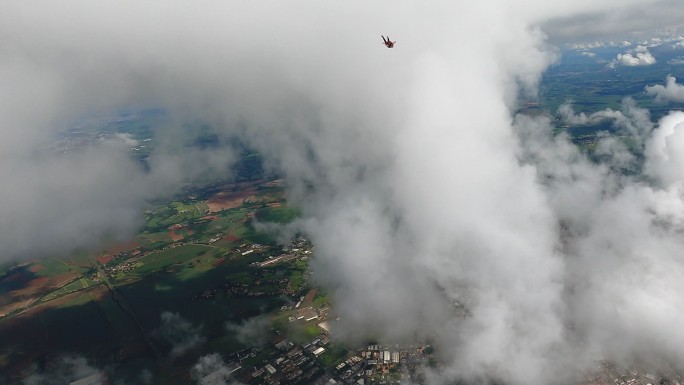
x=452, y=201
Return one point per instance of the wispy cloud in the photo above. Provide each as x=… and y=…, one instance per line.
x=67, y=369
x=670, y=92
x=212, y=370
x=180, y=333
x=251, y=332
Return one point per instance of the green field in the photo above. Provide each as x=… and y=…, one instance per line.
x=157, y=260
x=55, y=266
x=249, y=233
x=321, y=299
x=283, y=214
x=174, y=213
x=77, y=285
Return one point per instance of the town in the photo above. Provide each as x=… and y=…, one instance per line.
x=291, y=363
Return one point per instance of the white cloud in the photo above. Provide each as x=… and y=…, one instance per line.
x=251, y=332
x=586, y=46
x=180, y=333
x=65, y=370
x=654, y=42
x=670, y=92
x=212, y=370
x=632, y=226
x=558, y=261
x=665, y=152
x=678, y=42
x=641, y=49
x=631, y=120
x=569, y=117
x=127, y=138
x=640, y=56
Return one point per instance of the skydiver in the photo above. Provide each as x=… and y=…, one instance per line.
x=387, y=42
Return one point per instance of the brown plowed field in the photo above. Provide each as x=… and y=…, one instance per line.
x=228, y=200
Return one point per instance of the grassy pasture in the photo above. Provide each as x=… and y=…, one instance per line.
x=282, y=214
x=55, y=266
x=76, y=285
x=157, y=260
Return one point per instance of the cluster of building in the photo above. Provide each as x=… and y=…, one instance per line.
x=217, y=237
x=293, y=363
x=123, y=267
x=305, y=314
x=376, y=353
x=299, y=244
x=252, y=291
x=245, y=249
x=381, y=365
x=263, y=288
x=303, y=250
x=609, y=374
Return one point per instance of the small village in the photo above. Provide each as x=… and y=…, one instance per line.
x=293, y=363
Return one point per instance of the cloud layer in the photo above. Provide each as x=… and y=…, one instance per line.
x=436, y=214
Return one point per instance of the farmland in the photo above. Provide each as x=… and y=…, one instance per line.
x=197, y=256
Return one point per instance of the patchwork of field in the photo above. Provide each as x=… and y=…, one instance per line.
x=196, y=257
